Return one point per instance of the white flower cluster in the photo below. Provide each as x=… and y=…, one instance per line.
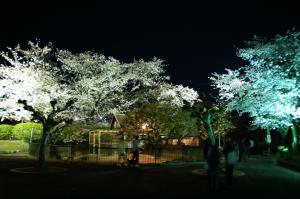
x=49, y=80
x=268, y=88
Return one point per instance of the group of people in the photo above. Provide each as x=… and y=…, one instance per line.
x=245, y=146
x=122, y=154
x=212, y=154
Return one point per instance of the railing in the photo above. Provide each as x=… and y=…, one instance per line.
x=109, y=155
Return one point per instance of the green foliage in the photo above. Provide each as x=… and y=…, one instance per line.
x=219, y=119
x=267, y=87
x=73, y=133
x=283, y=150
x=153, y=119
x=5, y=131
x=159, y=119
x=222, y=122
x=22, y=131
x=182, y=125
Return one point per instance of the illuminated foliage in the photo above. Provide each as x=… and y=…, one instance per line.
x=268, y=87
x=160, y=119
x=50, y=85
x=182, y=125
x=96, y=84
x=222, y=122
x=219, y=123
x=22, y=131
x=5, y=131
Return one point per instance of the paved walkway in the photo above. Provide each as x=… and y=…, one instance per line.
x=262, y=179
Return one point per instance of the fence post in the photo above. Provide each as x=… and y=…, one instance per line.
x=31, y=135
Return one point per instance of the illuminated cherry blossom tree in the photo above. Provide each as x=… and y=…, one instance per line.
x=50, y=85
x=268, y=87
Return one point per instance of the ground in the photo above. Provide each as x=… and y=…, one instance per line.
x=262, y=179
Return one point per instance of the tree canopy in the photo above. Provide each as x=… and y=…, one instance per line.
x=38, y=81
x=51, y=85
x=268, y=86
x=160, y=119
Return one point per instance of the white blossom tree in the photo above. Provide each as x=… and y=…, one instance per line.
x=268, y=88
x=50, y=85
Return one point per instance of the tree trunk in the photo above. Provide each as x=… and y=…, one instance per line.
x=268, y=140
x=295, y=137
x=210, y=129
x=41, y=160
x=178, y=141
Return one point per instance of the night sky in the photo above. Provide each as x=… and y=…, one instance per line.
x=195, y=40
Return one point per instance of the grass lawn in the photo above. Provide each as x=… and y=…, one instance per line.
x=13, y=146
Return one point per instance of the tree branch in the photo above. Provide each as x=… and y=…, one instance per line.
x=35, y=114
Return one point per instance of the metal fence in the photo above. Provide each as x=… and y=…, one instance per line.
x=109, y=155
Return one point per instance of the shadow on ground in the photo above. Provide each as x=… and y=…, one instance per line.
x=262, y=179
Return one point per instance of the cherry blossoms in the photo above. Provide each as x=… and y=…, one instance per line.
x=94, y=83
x=268, y=88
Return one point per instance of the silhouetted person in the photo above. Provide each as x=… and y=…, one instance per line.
x=206, y=148
x=213, y=158
x=135, y=147
x=121, y=151
x=230, y=160
x=242, y=150
x=247, y=147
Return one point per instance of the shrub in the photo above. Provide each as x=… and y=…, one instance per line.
x=74, y=134
x=71, y=133
x=5, y=131
x=22, y=131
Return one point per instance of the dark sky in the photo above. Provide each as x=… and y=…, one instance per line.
x=194, y=39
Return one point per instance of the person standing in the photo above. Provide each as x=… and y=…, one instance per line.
x=135, y=147
x=213, y=159
x=251, y=146
x=206, y=148
x=242, y=150
x=247, y=147
x=121, y=151
x=230, y=160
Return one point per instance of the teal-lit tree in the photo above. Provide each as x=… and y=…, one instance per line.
x=51, y=85
x=213, y=120
x=268, y=88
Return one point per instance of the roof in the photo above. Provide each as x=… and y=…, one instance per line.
x=120, y=119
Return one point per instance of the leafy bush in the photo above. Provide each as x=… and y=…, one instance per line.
x=22, y=131
x=5, y=131
x=72, y=133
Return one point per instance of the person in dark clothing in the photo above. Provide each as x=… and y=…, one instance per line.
x=213, y=159
x=247, y=147
x=242, y=150
x=230, y=160
x=135, y=147
x=206, y=148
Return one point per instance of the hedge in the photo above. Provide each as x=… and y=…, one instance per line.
x=5, y=131
x=22, y=131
